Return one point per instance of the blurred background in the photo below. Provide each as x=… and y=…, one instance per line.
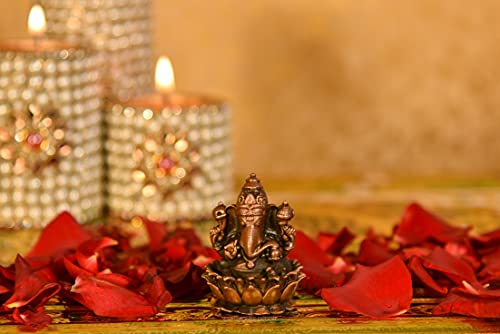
x=330, y=89
x=348, y=109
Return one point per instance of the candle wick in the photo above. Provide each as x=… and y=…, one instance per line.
x=36, y=41
x=164, y=99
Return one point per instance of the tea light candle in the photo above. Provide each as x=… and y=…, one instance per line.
x=168, y=153
x=50, y=130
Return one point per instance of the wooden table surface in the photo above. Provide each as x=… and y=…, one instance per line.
x=318, y=207
x=311, y=316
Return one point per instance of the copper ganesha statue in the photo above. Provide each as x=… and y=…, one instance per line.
x=253, y=237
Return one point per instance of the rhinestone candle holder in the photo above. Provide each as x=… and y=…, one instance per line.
x=120, y=30
x=50, y=133
x=168, y=158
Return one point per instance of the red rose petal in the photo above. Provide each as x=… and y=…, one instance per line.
x=463, y=251
x=341, y=265
x=110, y=300
x=418, y=225
x=185, y=283
x=31, y=320
x=88, y=253
x=315, y=264
x=7, y=278
x=155, y=292
x=32, y=286
x=464, y=304
x=117, y=279
x=491, y=270
x=408, y=253
x=454, y=268
x=373, y=250
x=381, y=291
x=187, y=235
x=63, y=233
x=489, y=238
x=176, y=252
x=415, y=266
x=4, y=289
x=157, y=233
x=75, y=270
x=306, y=248
x=7, y=274
x=335, y=243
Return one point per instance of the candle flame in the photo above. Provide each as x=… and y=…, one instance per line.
x=164, y=75
x=36, y=21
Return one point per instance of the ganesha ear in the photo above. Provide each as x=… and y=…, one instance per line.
x=272, y=226
x=232, y=226
x=271, y=211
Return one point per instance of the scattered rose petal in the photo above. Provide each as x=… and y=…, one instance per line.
x=117, y=279
x=415, y=266
x=381, y=291
x=408, y=253
x=4, y=289
x=79, y=265
x=452, y=267
x=340, y=265
x=374, y=250
x=155, y=292
x=489, y=238
x=186, y=283
x=491, y=270
x=32, y=286
x=463, y=251
x=31, y=320
x=334, y=243
x=75, y=270
x=315, y=264
x=63, y=233
x=110, y=300
x=306, y=248
x=88, y=252
x=7, y=278
x=471, y=305
x=157, y=233
x=419, y=225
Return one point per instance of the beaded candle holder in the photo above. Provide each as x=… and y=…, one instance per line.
x=120, y=30
x=50, y=133
x=168, y=159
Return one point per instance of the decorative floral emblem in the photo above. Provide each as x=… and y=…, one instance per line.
x=33, y=139
x=165, y=162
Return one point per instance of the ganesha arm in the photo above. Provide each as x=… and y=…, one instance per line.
x=288, y=236
x=217, y=233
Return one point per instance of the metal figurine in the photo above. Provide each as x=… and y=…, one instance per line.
x=253, y=237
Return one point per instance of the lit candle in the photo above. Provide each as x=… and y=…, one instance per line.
x=50, y=130
x=36, y=21
x=164, y=76
x=169, y=153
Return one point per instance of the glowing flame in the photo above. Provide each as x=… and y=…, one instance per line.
x=164, y=75
x=36, y=21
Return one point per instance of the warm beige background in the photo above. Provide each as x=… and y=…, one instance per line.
x=326, y=88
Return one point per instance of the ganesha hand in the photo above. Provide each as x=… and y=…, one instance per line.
x=231, y=250
x=289, y=232
x=275, y=254
x=216, y=235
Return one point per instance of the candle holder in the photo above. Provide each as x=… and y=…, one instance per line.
x=253, y=238
x=168, y=157
x=119, y=30
x=50, y=133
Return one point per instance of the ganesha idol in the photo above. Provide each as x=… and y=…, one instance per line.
x=253, y=238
